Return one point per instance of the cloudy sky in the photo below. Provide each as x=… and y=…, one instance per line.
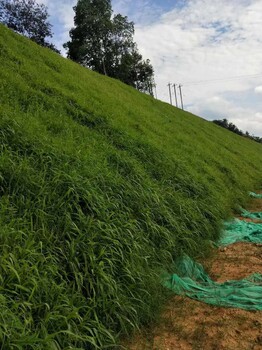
x=212, y=47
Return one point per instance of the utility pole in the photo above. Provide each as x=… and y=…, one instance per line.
x=150, y=89
x=155, y=91
x=181, y=97
x=174, y=86
x=170, y=96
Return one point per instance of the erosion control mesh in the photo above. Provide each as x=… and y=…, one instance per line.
x=251, y=215
x=241, y=231
x=191, y=279
x=255, y=195
x=194, y=282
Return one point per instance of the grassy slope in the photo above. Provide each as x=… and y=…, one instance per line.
x=101, y=188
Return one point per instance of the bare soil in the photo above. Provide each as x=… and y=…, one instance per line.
x=191, y=325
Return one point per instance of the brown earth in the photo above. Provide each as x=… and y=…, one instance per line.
x=256, y=204
x=191, y=325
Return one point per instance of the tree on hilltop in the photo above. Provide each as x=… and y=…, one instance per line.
x=28, y=18
x=104, y=42
x=224, y=123
x=89, y=38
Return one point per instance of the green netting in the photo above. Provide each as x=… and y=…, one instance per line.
x=251, y=215
x=255, y=195
x=241, y=231
x=192, y=281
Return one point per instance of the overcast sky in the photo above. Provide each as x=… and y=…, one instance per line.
x=212, y=47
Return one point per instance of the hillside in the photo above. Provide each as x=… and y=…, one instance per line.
x=101, y=189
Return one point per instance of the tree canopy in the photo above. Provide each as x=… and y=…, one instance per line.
x=104, y=42
x=224, y=123
x=28, y=18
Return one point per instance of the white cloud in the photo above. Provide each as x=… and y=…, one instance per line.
x=216, y=107
x=258, y=89
x=210, y=40
x=202, y=40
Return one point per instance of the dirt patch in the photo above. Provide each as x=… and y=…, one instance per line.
x=258, y=221
x=236, y=261
x=256, y=205
x=190, y=325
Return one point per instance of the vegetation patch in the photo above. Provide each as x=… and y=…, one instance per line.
x=101, y=189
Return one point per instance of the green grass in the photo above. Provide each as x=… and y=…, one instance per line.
x=101, y=188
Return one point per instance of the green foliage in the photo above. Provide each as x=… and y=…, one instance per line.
x=105, y=44
x=28, y=18
x=101, y=189
x=232, y=127
x=89, y=38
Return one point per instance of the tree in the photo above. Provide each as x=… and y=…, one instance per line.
x=89, y=38
x=232, y=127
x=223, y=123
x=104, y=43
x=27, y=18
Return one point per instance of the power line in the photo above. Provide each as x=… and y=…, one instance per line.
x=170, y=96
x=155, y=90
x=223, y=79
x=174, y=86
x=181, y=97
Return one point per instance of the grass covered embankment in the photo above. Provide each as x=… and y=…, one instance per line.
x=101, y=188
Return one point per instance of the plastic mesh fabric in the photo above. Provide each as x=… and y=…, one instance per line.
x=255, y=195
x=192, y=281
x=241, y=231
x=251, y=215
